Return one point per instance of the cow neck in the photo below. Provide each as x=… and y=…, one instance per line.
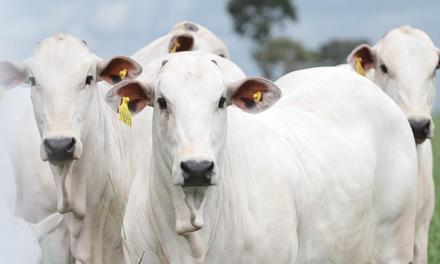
x=172, y=217
x=152, y=50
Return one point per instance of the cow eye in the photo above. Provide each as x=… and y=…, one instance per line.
x=384, y=68
x=162, y=103
x=222, y=102
x=89, y=79
x=32, y=81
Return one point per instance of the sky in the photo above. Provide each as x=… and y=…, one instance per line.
x=121, y=27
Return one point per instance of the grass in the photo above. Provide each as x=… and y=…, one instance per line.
x=434, y=234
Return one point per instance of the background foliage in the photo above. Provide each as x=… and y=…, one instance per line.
x=277, y=55
x=434, y=232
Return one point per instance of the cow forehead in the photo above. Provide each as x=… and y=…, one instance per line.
x=61, y=53
x=407, y=45
x=197, y=77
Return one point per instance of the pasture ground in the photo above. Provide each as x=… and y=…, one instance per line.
x=434, y=234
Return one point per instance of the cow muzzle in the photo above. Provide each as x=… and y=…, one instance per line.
x=197, y=173
x=60, y=148
x=421, y=129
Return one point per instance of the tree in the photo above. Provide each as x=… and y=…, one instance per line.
x=335, y=52
x=276, y=56
x=281, y=55
x=256, y=18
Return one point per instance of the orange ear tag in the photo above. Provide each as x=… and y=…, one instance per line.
x=123, y=74
x=257, y=96
x=124, y=112
x=358, y=66
x=175, y=46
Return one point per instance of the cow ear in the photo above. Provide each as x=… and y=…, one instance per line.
x=11, y=74
x=118, y=68
x=181, y=42
x=138, y=96
x=362, y=59
x=254, y=94
x=47, y=225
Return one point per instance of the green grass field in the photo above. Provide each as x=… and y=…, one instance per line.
x=434, y=235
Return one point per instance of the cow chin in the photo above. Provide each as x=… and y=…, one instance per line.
x=191, y=219
x=420, y=141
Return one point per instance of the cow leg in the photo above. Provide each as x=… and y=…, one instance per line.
x=425, y=202
x=396, y=212
x=394, y=243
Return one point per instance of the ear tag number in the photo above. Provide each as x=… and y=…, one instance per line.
x=257, y=96
x=175, y=46
x=123, y=74
x=124, y=112
x=358, y=66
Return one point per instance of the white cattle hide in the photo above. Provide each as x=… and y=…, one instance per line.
x=310, y=180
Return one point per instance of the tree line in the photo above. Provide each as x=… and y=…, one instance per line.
x=276, y=55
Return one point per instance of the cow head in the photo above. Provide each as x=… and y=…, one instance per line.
x=63, y=76
x=188, y=36
x=190, y=94
x=403, y=64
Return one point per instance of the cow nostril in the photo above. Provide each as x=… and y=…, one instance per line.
x=197, y=167
x=60, y=144
x=420, y=128
x=71, y=144
x=197, y=173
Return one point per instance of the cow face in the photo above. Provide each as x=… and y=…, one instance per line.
x=190, y=97
x=63, y=75
x=404, y=64
x=187, y=36
x=190, y=93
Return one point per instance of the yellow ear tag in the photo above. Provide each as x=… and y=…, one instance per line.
x=358, y=66
x=124, y=112
x=123, y=74
x=257, y=96
x=176, y=45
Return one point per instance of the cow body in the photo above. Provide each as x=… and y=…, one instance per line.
x=20, y=241
x=307, y=181
x=403, y=63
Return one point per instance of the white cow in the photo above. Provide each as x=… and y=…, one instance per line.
x=83, y=141
x=20, y=240
x=403, y=63
x=35, y=197
x=61, y=113
x=311, y=180
x=184, y=36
